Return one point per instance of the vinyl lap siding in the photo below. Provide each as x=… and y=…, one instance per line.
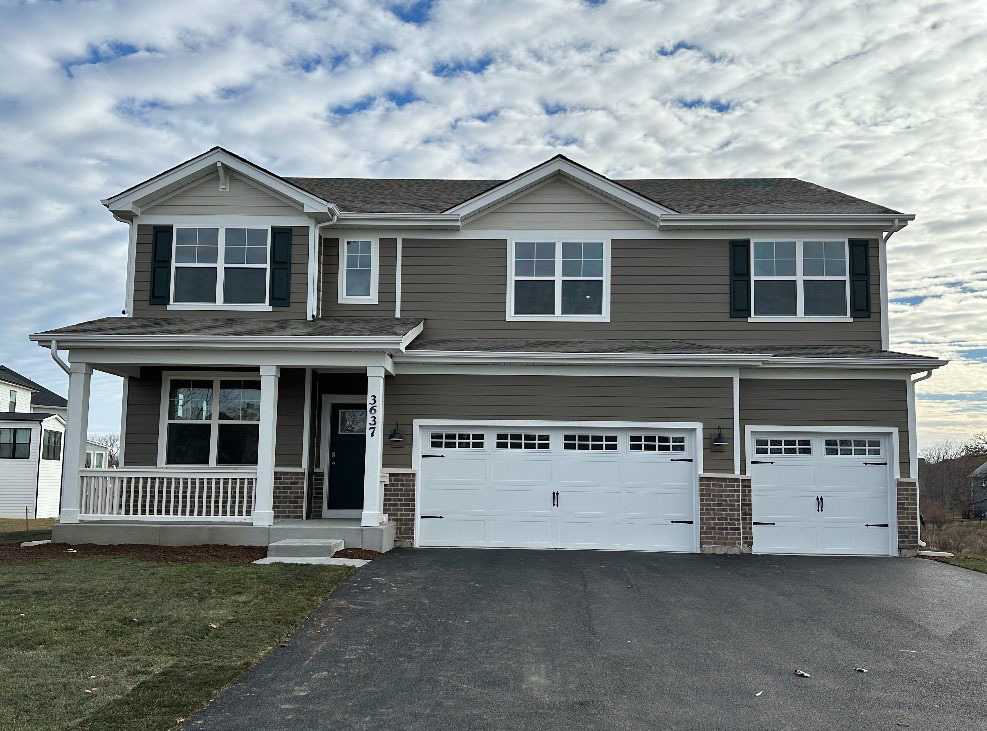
x=828, y=402
x=19, y=477
x=662, y=289
x=299, y=281
x=243, y=198
x=577, y=398
x=50, y=477
x=385, y=287
x=558, y=205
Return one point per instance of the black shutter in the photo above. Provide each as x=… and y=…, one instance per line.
x=160, y=265
x=740, y=278
x=859, y=278
x=280, y=267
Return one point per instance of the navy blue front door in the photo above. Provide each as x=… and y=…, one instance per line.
x=347, y=444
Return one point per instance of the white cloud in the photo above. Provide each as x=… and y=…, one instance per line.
x=882, y=100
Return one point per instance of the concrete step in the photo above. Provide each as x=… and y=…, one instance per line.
x=304, y=548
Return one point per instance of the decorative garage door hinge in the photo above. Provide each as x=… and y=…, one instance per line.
x=761, y=461
x=681, y=521
x=680, y=459
x=431, y=516
x=757, y=522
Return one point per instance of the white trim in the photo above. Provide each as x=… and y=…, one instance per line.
x=558, y=278
x=131, y=267
x=326, y=402
x=882, y=248
x=781, y=374
x=418, y=441
x=736, y=423
x=220, y=266
x=341, y=296
x=231, y=221
x=397, y=275
x=800, y=278
x=913, y=428
x=123, y=421
x=306, y=441
x=425, y=221
x=880, y=221
x=891, y=432
x=559, y=166
x=799, y=318
x=617, y=234
x=197, y=307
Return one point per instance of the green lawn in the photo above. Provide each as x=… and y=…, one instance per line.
x=118, y=643
x=12, y=530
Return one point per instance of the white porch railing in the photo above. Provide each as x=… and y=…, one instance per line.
x=167, y=495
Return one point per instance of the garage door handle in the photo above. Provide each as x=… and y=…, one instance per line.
x=432, y=456
x=761, y=461
x=757, y=522
x=681, y=521
x=876, y=525
x=877, y=463
x=681, y=459
x=431, y=516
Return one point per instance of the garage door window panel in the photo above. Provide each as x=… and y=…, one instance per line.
x=589, y=442
x=656, y=443
x=523, y=441
x=456, y=440
x=781, y=446
x=853, y=447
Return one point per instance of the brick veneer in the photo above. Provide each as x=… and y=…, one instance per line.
x=907, y=517
x=725, y=514
x=315, y=495
x=399, y=504
x=289, y=495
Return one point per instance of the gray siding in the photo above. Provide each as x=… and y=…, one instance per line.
x=582, y=398
x=558, y=205
x=144, y=410
x=385, y=287
x=662, y=289
x=827, y=402
x=243, y=198
x=299, y=281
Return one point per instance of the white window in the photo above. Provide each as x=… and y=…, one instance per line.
x=853, y=447
x=211, y=421
x=12, y=401
x=559, y=280
x=456, y=440
x=656, y=443
x=782, y=446
x=590, y=442
x=800, y=279
x=358, y=270
x=222, y=266
x=95, y=460
x=523, y=441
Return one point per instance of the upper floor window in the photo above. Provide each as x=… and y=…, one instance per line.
x=559, y=280
x=12, y=401
x=358, y=270
x=220, y=266
x=800, y=279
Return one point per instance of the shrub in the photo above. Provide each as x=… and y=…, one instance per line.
x=935, y=514
x=959, y=537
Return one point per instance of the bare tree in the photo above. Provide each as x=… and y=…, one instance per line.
x=977, y=444
x=110, y=440
x=944, y=476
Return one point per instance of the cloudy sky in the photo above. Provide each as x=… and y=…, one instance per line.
x=884, y=100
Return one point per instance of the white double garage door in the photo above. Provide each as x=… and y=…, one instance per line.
x=636, y=488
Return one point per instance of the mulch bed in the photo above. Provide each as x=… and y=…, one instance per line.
x=363, y=553
x=161, y=554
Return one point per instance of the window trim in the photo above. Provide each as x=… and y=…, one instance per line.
x=220, y=266
x=604, y=315
x=799, y=278
x=215, y=376
x=372, y=298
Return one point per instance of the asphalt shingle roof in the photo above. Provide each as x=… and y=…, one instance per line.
x=242, y=327
x=24, y=416
x=684, y=195
x=44, y=397
x=11, y=376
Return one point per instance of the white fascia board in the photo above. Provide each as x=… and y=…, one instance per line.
x=878, y=221
x=234, y=342
x=440, y=221
x=909, y=364
x=126, y=203
x=527, y=358
x=555, y=166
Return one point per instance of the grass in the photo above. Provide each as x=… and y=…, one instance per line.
x=117, y=643
x=12, y=530
x=966, y=539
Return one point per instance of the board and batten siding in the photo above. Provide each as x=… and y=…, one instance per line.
x=144, y=414
x=566, y=398
x=827, y=402
x=243, y=199
x=660, y=289
x=19, y=477
x=558, y=204
x=385, y=285
x=299, y=281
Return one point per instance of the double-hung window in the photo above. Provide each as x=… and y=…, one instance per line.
x=223, y=266
x=12, y=401
x=559, y=280
x=51, y=444
x=800, y=279
x=358, y=270
x=15, y=443
x=212, y=421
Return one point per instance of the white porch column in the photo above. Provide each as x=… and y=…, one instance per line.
x=264, y=506
x=373, y=495
x=76, y=427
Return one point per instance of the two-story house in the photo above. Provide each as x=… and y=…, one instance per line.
x=557, y=360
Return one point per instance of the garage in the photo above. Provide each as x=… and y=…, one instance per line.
x=822, y=493
x=546, y=485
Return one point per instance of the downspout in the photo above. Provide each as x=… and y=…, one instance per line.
x=317, y=245
x=913, y=446
x=883, y=257
x=57, y=358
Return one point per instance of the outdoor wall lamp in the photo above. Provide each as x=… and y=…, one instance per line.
x=395, y=437
x=718, y=441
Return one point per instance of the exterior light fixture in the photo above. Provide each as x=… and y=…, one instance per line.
x=718, y=441
x=395, y=437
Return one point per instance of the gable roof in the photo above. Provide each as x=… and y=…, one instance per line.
x=45, y=397
x=981, y=471
x=10, y=376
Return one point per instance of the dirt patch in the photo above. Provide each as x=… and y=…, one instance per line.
x=161, y=554
x=362, y=553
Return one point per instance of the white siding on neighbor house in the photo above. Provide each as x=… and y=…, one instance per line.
x=558, y=204
x=19, y=477
x=206, y=198
x=23, y=398
x=50, y=477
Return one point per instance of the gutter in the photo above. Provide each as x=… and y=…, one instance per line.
x=56, y=357
x=672, y=221
x=913, y=445
x=233, y=342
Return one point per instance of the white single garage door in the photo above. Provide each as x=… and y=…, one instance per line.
x=823, y=493
x=558, y=487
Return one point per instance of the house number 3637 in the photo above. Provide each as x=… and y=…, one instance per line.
x=372, y=416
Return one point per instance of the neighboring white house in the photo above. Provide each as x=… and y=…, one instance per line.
x=97, y=456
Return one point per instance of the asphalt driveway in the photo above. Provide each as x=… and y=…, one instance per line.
x=460, y=639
